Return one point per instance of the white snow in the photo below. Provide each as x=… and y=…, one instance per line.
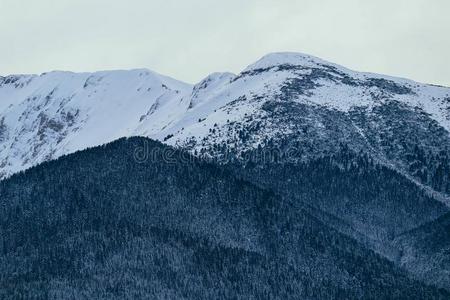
x=43, y=117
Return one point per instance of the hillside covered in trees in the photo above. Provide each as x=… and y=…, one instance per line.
x=104, y=223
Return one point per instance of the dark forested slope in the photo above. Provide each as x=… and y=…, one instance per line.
x=375, y=200
x=354, y=194
x=426, y=251
x=137, y=219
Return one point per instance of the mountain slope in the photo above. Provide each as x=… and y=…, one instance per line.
x=284, y=96
x=425, y=251
x=318, y=106
x=295, y=113
x=104, y=223
x=374, y=201
x=43, y=117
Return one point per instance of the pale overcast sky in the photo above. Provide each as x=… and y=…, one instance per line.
x=188, y=39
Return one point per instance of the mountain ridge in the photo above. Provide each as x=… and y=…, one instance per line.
x=274, y=124
x=45, y=116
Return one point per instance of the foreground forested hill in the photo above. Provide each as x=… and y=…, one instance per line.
x=137, y=219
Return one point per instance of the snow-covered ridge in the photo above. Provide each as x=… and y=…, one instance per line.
x=43, y=117
x=286, y=58
x=48, y=115
x=277, y=59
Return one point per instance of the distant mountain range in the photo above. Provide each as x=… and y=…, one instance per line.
x=282, y=96
x=363, y=157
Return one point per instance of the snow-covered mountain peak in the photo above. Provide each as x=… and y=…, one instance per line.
x=283, y=94
x=213, y=81
x=48, y=115
x=286, y=58
x=209, y=86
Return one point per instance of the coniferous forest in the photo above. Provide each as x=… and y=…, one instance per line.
x=101, y=224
